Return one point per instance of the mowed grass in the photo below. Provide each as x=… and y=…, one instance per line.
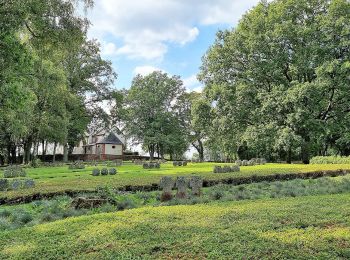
x=314, y=227
x=59, y=179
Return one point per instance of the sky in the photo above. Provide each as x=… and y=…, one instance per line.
x=141, y=36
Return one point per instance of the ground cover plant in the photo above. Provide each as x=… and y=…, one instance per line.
x=330, y=160
x=36, y=212
x=60, y=179
x=295, y=228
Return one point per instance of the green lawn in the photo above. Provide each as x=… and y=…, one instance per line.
x=60, y=179
x=315, y=227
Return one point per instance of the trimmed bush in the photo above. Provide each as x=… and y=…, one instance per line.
x=180, y=163
x=78, y=165
x=104, y=171
x=4, y=184
x=96, y=172
x=235, y=168
x=27, y=184
x=112, y=171
x=151, y=165
x=14, y=172
x=226, y=169
x=16, y=184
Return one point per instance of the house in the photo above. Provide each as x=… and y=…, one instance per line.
x=103, y=146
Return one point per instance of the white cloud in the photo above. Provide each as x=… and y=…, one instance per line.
x=145, y=70
x=192, y=84
x=146, y=27
x=109, y=48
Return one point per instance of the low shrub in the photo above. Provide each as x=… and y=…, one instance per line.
x=95, y=172
x=78, y=165
x=125, y=203
x=104, y=171
x=112, y=171
x=14, y=172
x=330, y=160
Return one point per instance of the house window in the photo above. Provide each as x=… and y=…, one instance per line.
x=113, y=146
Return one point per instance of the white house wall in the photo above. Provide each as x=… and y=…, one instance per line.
x=118, y=150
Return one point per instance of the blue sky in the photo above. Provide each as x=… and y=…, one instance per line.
x=140, y=36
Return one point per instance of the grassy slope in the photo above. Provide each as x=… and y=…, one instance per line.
x=305, y=227
x=61, y=179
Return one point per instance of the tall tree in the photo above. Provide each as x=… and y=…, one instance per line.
x=194, y=113
x=283, y=73
x=150, y=112
x=52, y=79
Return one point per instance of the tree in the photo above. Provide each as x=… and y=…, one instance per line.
x=283, y=69
x=150, y=116
x=195, y=114
x=52, y=79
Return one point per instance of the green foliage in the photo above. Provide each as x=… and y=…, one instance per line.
x=278, y=82
x=330, y=160
x=14, y=172
x=151, y=114
x=47, y=68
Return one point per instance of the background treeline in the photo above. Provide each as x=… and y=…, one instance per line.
x=276, y=86
x=52, y=78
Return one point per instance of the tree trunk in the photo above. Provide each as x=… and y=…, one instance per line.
x=8, y=154
x=13, y=154
x=305, y=151
x=54, y=152
x=65, y=153
x=201, y=151
x=289, y=155
x=27, y=148
x=151, y=149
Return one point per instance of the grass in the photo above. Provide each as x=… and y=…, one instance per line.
x=36, y=212
x=60, y=179
x=311, y=227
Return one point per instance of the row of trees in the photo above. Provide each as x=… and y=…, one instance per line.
x=52, y=77
x=276, y=86
x=156, y=112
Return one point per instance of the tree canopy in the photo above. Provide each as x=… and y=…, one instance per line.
x=51, y=76
x=279, y=82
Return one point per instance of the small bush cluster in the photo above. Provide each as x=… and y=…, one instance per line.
x=77, y=165
x=14, y=171
x=330, y=160
x=36, y=163
x=115, y=163
x=52, y=164
x=16, y=184
x=104, y=171
x=251, y=162
x=91, y=163
x=226, y=169
x=180, y=163
x=151, y=165
x=138, y=161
